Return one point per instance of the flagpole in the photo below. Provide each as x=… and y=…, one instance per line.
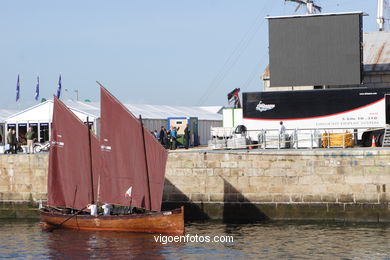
x=37, y=90
x=18, y=92
x=59, y=87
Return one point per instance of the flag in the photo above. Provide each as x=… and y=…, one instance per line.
x=128, y=192
x=37, y=90
x=17, y=90
x=59, y=87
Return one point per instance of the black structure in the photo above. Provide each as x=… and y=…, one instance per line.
x=309, y=104
x=313, y=50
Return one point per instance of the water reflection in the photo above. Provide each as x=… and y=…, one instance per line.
x=271, y=240
x=68, y=244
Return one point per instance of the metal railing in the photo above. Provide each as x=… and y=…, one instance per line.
x=305, y=138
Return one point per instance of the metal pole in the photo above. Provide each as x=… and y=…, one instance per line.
x=39, y=131
x=146, y=162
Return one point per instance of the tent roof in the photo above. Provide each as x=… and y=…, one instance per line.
x=42, y=111
x=163, y=112
x=5, y=113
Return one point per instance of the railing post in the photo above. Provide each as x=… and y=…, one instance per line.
x=296, y=138
x=311, y=139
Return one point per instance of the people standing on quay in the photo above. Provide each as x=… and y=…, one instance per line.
x=186, y=137
x=161, y=136
x=173, y=138
x=30, y=136
x=282, y=135
x=155, y=133
x=12, y=141
x=282, y=128
x=9, y=141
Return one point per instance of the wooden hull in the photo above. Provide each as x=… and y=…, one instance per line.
x=171, y=222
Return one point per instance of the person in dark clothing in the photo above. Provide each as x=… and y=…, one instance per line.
x=186, y=137
x=164, y=138
x=161, y=136
x=168, y=139
x=12, y=141
x=9, y=141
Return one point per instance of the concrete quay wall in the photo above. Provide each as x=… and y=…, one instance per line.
x=335, y=184
x=23, y=182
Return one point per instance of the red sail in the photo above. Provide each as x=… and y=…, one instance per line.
x=69, y=179
x=123, y=158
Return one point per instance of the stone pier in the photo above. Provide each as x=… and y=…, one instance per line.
x=335, y=184
x=321, y=184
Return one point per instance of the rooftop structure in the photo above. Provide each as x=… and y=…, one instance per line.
x=376, y=63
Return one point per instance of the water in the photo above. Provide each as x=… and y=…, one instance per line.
x=273, y=240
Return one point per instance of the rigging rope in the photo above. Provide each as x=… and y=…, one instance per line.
x=234, y=56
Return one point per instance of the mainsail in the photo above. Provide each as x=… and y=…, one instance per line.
x=69, y=179
x=123, y=158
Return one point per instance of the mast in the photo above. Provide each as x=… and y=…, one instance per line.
x=380, y=19
x=90, y=161
x=146, y=162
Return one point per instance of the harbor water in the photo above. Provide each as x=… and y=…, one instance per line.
x=21, y=239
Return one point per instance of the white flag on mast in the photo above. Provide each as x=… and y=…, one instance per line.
x=128, y=192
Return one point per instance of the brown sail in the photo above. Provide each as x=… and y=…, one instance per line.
x=118, y=162
x=123, y=158
x=69, y=178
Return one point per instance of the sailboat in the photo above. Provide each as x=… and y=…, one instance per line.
x=126, y=167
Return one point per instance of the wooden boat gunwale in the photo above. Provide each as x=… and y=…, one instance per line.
x=96, y=223
x=125, y=216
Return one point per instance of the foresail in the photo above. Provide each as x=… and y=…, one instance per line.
x=69, y=178
x=123, y=158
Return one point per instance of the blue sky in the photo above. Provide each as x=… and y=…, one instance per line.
x=144, y=51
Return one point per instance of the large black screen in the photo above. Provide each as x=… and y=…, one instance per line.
x=315, y=50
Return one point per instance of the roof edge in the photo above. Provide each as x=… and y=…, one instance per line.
x=312, y=15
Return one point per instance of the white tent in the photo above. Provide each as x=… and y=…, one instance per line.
x=154, y=116
x=40, y=117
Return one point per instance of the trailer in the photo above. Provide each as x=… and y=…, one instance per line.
x=347, y=109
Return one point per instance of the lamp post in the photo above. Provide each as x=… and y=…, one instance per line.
x=66, y=94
